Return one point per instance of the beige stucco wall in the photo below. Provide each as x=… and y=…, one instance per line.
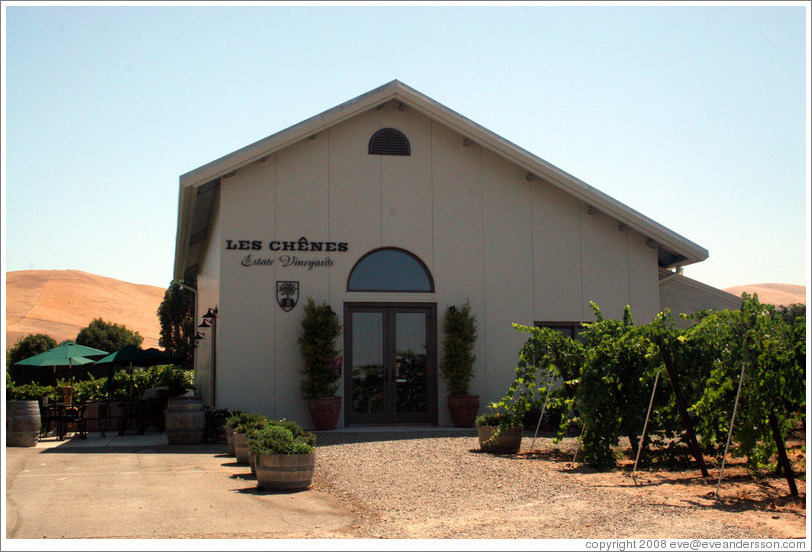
x=520, y=251
x=682, y=295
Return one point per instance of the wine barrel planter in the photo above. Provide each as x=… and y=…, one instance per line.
x=507, y=441
x=230, y=440
x=23, y=423
x=252, y=461
x=285, y=472
x=185, y=420
x=242, y=449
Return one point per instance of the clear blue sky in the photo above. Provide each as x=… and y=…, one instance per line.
x=695, y=116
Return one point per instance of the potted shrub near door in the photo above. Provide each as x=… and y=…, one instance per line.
x=457, y=366
x=322, y=371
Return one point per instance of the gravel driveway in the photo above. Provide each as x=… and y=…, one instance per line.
x=437, y=484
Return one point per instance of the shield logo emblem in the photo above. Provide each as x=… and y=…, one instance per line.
x=287, y=294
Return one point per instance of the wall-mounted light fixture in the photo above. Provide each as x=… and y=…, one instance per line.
x=204, y=324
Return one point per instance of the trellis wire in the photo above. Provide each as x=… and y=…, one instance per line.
x=543, y=408
x=645, y=426
x=730, y=431
x=578, y=448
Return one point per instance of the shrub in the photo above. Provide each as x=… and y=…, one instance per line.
x=131, y=384
x=250, y=422
x=175, y=378
x=216, y=418
x=493, y=418
x=89, y=390
x=32, y=392
x=236, y=417
x=278, y=439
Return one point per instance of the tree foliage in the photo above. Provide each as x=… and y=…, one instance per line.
x=107, y=336
x=176, y=314
x=25, y=347
x=30, y=345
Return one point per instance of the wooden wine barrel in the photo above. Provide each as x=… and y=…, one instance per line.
x=23, y=423
x=230, y=441
x=185, y=420
x=285, y=472
x=242, y=449
x=508, y=441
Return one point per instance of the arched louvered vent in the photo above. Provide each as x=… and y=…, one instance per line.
x=389, y=141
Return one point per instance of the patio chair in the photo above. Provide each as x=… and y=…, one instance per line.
x=46, y=416
x=71, y=415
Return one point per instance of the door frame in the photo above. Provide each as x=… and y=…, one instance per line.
x=431, y=416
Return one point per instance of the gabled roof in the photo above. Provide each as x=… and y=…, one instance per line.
x=197, y=187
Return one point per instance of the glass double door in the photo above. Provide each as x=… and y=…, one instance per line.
x=390, y=354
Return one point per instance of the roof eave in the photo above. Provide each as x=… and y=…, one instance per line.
x=677, y=246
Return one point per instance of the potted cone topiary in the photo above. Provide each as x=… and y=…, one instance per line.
x=322, y=370
x=457, y=366
x=284, y=456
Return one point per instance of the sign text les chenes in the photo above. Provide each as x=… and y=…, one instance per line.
x=302, y=244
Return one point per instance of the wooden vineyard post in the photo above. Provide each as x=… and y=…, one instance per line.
x=782, y=454
x=692, y=442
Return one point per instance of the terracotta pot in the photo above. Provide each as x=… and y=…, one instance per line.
x=507, y=441
x=324, y=412
x=463, y=409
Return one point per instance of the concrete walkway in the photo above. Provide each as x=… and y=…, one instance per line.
x=141, y=487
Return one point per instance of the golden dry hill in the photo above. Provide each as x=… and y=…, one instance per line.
x=61, y=302
x=773, y=294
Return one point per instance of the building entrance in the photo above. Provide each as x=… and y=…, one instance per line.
x=390, y=354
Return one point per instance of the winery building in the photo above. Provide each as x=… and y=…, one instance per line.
x=391, y=207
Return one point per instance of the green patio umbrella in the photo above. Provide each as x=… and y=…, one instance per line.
x=68, y=354
x=133, y=355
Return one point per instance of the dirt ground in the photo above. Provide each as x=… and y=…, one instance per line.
x=442, y=486
x=758, y=502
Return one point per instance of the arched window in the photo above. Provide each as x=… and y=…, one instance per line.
x=389, y=141
x=390, y=269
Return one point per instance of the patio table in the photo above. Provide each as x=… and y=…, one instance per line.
x=133, y=413
x=62, y=416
